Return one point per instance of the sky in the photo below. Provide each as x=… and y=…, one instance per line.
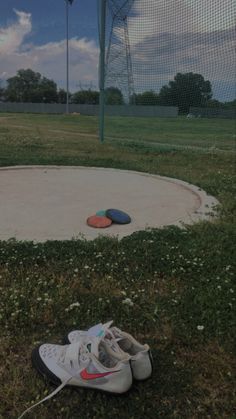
x=33, y=35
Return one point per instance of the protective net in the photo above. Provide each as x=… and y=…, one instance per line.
x=166, y=58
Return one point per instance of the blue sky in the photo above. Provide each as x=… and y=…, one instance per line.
x=33, y=32
x=48, y=18
x=32, y=35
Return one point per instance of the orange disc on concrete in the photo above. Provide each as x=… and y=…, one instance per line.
x=98, y=221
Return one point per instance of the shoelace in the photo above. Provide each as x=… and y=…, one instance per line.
x=61, y=386
x=113, y=337
x=75, y=352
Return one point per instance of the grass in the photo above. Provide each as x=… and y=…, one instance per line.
x=181, y=281
x=199, y=133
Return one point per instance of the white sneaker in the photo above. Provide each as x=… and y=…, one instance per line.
x=120, y=342
x=88, y=363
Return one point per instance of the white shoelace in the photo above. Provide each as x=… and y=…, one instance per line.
x=61, y=386
x=74, y=352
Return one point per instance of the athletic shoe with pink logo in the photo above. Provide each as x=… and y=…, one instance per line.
x=88, y=363
x=121, y=343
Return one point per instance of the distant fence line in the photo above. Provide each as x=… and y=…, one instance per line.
x=111, y=110
x=142, y=111
x=213, y=112
x=116, y=110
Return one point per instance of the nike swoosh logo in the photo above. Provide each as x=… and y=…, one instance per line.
x=93, y=376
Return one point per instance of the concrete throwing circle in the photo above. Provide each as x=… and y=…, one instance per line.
x=42, y=203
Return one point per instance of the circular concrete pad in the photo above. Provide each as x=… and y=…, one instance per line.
x=42, y=203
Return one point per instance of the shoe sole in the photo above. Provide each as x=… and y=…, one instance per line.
x=46, y=373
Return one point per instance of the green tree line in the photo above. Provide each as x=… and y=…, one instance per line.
x=184, y=91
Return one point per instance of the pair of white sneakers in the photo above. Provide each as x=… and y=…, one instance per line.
x=102, y=358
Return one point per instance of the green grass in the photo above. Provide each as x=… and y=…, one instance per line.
x=177, y=279
x=203, y=133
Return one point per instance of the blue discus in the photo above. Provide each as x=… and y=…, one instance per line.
x=117, y=216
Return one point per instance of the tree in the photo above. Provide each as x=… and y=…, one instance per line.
x=114, y=96
x=148, y=98
x=2, y=92
x=214, y=103
x=186, y=90
x=48, y=90
x=61, y=96
x=28, y=86
x=88, y=97
x=23, y=86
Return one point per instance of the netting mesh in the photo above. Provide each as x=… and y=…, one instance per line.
x=156, y=48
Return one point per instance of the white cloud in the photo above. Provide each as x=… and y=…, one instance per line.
x=180, y=16
x=48, y=59
x=12, y=37
x=170, y=36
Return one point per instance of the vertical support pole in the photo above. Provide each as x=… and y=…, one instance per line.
x=102, y=40
x=67, y=56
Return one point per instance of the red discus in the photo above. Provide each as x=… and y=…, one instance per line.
x=98, y=221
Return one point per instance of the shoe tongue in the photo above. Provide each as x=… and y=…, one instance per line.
x=95, y=330
x=94, y=335
x=99, y=330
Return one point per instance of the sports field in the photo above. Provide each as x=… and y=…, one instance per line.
x=181, y=282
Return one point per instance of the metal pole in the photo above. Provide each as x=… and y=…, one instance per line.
x=102, y=37
x=67, y=56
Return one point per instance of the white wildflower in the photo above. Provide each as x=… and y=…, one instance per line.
x=128, y=302
x=74, y=305
x=200, y=327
